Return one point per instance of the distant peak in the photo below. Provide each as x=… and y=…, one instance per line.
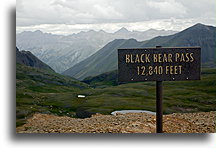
x=151, y=29
x=199, y=24
x=122, y=30
x=102, y=31
x=91, y=30
x=38, y=31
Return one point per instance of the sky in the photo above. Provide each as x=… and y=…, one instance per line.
x=72, y=16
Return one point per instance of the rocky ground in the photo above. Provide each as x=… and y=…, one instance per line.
x=202, y=122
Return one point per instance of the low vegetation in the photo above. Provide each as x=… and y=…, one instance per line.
x=39, y=91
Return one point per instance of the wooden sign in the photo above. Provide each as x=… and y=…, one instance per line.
x=159, y=64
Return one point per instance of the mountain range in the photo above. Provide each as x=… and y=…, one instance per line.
x=62, y=52
x=105, y=59
x=41, y=90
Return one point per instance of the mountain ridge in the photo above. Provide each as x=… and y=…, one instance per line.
x=63, y=51
x=197, y=35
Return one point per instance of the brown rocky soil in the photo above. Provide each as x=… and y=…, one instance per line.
x=202, y=122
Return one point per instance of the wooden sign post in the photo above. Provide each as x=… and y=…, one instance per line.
x=159, y=106
x=159, y=64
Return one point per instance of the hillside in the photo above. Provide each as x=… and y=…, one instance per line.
x=34, y=81
x=39, y=91
x=103, y=80
x=197, y=35
x=182, y=96
x=105, y=59
x=28, y=59
x=34, y=85
x=102, y=61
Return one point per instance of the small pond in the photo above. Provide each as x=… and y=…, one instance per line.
x=133, y=111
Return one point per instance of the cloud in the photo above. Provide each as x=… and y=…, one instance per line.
x=97, y=13
x=168, y=8
x=162, y=24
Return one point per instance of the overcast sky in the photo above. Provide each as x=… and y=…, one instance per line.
x=72, y=16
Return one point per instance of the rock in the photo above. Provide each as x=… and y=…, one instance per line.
x=203, y=122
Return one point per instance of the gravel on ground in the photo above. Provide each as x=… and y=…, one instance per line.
x=201, y=122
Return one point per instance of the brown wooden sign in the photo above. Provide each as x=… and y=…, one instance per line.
x=159, y=64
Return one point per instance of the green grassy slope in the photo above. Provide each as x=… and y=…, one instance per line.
x=103, y=80
x=102, y=61
x=179, y=96
x=34, y=88
x=182, y=96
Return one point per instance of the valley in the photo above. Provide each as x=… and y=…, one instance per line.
x=43, y=92
x=60, y=98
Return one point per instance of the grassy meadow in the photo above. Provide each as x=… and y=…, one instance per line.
x=40, y=91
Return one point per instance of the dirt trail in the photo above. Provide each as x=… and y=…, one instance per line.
x=202, y=122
